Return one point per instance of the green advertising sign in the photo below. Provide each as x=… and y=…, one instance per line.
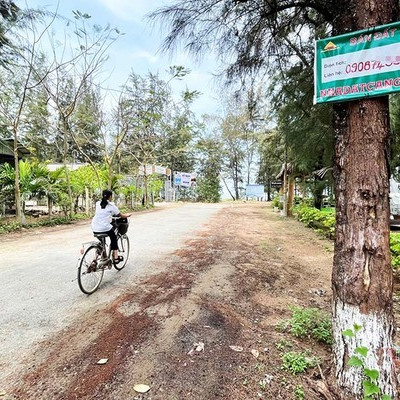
x=358, y=64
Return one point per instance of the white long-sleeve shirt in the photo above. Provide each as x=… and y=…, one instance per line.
x=101, y=221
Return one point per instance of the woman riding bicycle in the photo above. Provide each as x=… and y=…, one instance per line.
x=101, y=223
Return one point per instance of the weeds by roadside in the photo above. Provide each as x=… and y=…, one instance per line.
x=309, y=322
x=297, y=363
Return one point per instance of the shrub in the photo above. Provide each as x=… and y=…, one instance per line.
x=275, y=201
x=395, y=250
x=309, y=322
x=314, y=218
x=296, y=363
x=14, y=226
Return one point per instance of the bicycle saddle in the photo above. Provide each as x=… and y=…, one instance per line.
x=100, y=235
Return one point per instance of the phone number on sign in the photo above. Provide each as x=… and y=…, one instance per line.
x=368, y=65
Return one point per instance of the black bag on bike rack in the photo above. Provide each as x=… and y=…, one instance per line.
x=122, y=225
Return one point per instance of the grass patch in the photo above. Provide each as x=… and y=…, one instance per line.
x=297, y=363
x=309, y=322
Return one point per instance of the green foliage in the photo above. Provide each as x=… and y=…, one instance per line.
x=208, y=183
x=296, y=363
x=35, y=180
x=271, y=149
x=395, y=249
x=16, y=226
x=155, y=184
x=311, y=323
x=299, y=392
x=87, y=177
x=371, y=389
x=324, y=221
x=306, y=129
x=275, y=201
x=208, y=190
x=283, y=344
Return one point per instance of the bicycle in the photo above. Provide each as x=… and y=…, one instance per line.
x=98, y=257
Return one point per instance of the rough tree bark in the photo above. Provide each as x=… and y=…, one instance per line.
x=17, y=190
x=290, y=199
x=362, y=274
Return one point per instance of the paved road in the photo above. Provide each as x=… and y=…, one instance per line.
x=39, y=293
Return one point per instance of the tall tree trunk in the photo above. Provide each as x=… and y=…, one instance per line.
x=268, y=190
x=67, y=171
x=362, y=274
x=110, y=176
x=285, y=191
x=236, y=180
x=17, y=190
x=304, y=189
x=145, y=193
x=76, y=204
x=87, y=205
x=50, y=206
x=290, y=199
x=318, y=194
x=227, y=188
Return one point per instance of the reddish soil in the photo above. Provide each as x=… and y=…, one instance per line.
x=231, y=286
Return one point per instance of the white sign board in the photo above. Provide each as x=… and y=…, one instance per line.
x=186, y=179
x=146, y=169
x=255, y=191
x=160, y=170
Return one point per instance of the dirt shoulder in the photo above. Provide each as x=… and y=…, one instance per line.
x=231, y=286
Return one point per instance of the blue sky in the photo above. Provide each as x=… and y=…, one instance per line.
x=139, y=48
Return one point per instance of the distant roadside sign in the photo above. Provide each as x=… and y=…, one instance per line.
x=358, y=64
x=146, y=169
x=153, y=169
x=276, y=184
x=185, y=179
x=160, y=170
x=177, y=179
x=255, y=191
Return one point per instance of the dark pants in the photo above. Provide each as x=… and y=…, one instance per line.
x=113, y=238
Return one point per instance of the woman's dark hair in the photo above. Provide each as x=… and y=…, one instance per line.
x=104, y=200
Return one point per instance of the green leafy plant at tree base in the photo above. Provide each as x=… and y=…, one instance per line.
x=296, y=363
x=370, y=382
x=309, y=322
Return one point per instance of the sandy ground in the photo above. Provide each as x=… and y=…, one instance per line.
x=230, y=285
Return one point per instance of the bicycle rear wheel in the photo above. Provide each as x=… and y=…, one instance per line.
x=89, y=272
x=123, y=250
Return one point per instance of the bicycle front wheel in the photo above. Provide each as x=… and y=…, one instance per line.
x=123, y=250
x=90, y=273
